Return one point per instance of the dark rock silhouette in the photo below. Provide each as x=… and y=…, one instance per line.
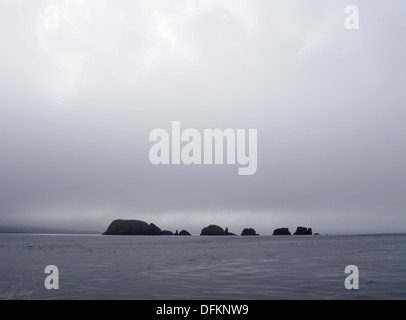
x=154, y=229
x=184, y=233
x=213, y=230
x=281, y=232
x=317, y=234
x=134, y=227
x=249, y=232
x=167, y=233
x=138, y=227
x=300, y=231
x=228, y=233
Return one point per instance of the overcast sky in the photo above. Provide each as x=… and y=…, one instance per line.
x=81, y=90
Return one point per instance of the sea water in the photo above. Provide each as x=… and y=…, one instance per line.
x=202, y=267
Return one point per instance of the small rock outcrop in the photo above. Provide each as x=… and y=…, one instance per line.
x=249, y=232
x=213, y=230
x=281, y=232
x=301, y=231
x=184, y=233
x=228, y=233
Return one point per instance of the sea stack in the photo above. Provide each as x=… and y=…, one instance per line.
x=301, y=231
x=249, y=232
x=214, y=230
x=184, y=233
x=281, y=232
x=134, y=227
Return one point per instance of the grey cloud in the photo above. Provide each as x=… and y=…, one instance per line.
x=77, y=105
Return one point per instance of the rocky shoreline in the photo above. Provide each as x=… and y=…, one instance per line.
x=139, y=227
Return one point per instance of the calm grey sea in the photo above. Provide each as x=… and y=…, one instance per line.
x=233, y=267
